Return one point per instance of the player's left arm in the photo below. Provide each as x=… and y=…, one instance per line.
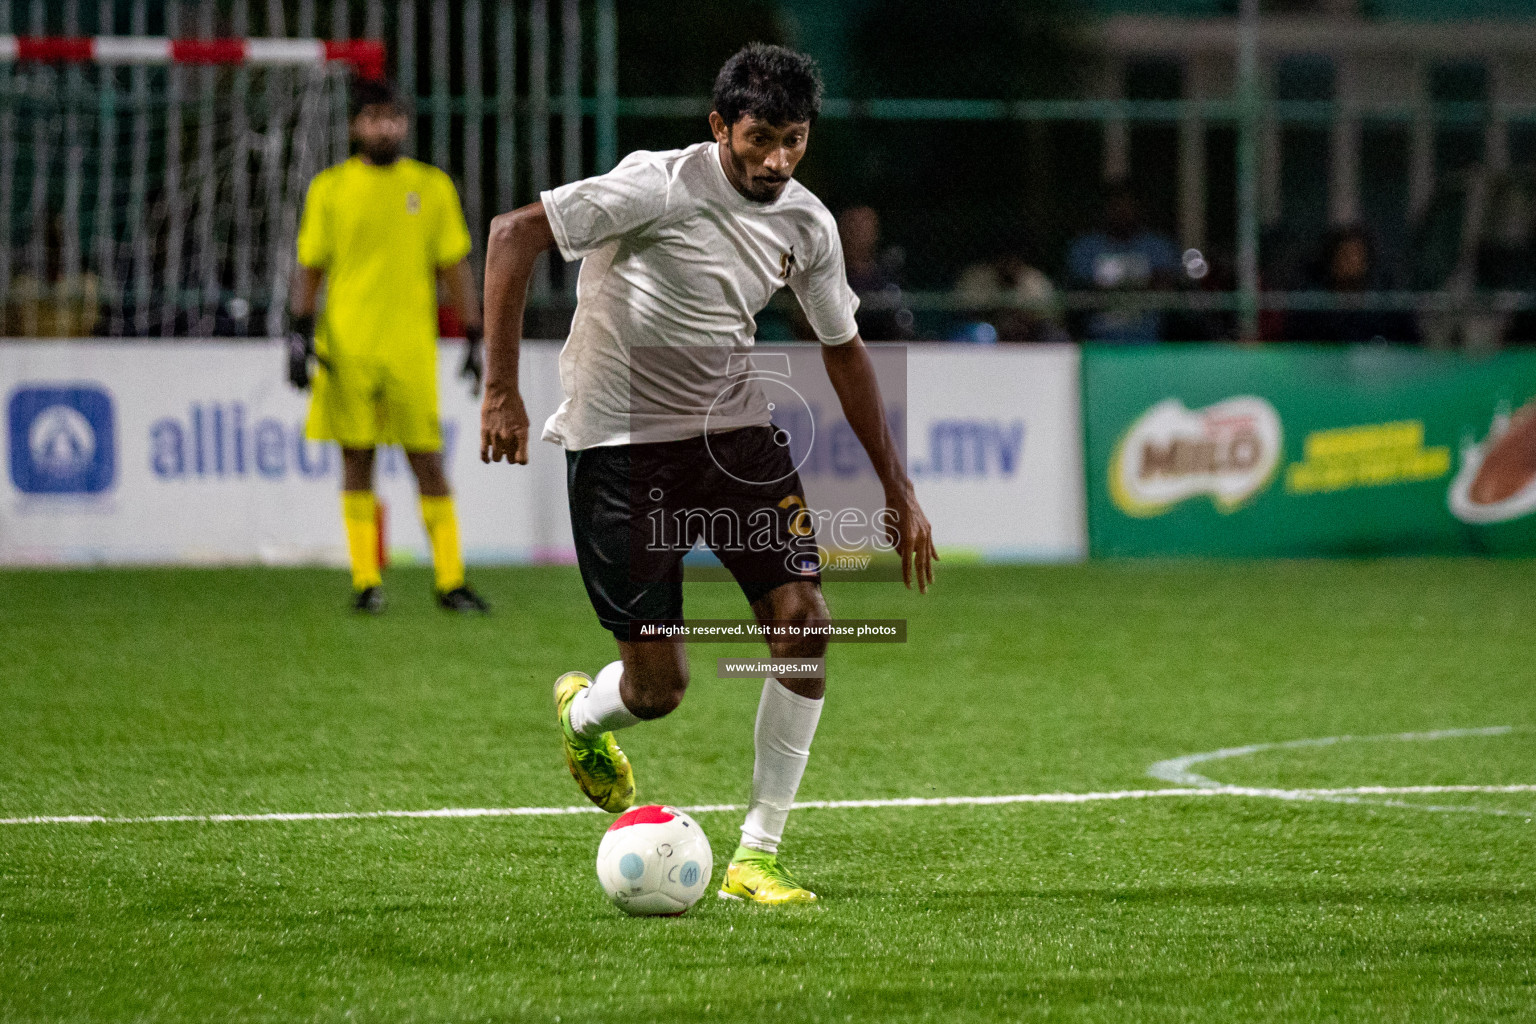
x=829, y=305
x=458, y=284
x=303, y=300
x=450, y=251
x=313, y=247
x=858, y=391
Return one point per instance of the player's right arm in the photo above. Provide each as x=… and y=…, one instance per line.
x=581, y=217
x=314, y=253
x=516, y=240
x=304, y=293
x=314, y=247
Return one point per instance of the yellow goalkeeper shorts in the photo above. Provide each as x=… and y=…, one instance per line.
x=362, y=401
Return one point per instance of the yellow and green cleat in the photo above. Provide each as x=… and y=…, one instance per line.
x=759, y=877
x=598, y=765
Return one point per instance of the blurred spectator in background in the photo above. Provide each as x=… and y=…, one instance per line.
x=872, y=276
x=1011, y=297
x=1347, y=265
x=58, y=305
x=1124, y=256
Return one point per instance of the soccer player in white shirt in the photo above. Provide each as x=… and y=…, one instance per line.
x=680, y=252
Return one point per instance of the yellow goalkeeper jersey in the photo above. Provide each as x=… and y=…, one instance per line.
x=381, y=234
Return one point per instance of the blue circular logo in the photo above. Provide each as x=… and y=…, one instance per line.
x=631, y=866
x=61, y=441
x=689, y=876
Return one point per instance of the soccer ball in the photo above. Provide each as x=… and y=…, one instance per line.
x=654, y=860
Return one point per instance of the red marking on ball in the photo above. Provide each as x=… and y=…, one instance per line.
x=649, y=815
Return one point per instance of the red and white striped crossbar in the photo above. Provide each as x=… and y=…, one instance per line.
x=366, y=55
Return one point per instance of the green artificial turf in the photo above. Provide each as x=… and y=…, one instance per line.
x=133, y=693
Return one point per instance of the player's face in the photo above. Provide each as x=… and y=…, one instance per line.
x=380, y=132
x=760, y=157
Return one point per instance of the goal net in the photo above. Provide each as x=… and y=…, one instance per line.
x=153, y=187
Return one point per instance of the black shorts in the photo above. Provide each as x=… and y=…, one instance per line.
x=637, y=509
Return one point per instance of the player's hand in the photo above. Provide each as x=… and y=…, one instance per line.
x=913, y=536
x=301, y=349
x=503, y=427
x=473, y=369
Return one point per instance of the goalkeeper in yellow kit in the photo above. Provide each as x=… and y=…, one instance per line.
x=382, y=232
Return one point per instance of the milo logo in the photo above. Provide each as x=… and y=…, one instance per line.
x=1228, y=451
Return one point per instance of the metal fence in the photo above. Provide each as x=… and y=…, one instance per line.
x=513, y=96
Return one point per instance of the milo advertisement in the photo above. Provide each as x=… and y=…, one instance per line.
x=1299, y=451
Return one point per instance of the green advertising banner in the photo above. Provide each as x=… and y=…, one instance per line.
x=1306, y=450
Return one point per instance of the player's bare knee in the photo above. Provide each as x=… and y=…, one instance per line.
x=654, y=696
x=812, y=643
x=655, y=678
x=804, y=607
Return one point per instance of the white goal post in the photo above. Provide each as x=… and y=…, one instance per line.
x=151, y=186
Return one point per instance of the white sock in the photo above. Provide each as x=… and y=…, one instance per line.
x=599, y=708
x=786, y=723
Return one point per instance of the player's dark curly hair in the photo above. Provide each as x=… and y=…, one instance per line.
x=770, y=83
x=371, y=92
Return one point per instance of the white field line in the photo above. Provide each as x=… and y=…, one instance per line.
x=1344, y=794
x=1175, y=770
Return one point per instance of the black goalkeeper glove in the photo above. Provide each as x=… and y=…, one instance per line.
x=301, y=349
x=474, y=359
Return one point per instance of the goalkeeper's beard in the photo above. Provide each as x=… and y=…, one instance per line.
x=382, y=153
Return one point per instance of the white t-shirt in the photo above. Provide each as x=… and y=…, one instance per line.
x=677, y=266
